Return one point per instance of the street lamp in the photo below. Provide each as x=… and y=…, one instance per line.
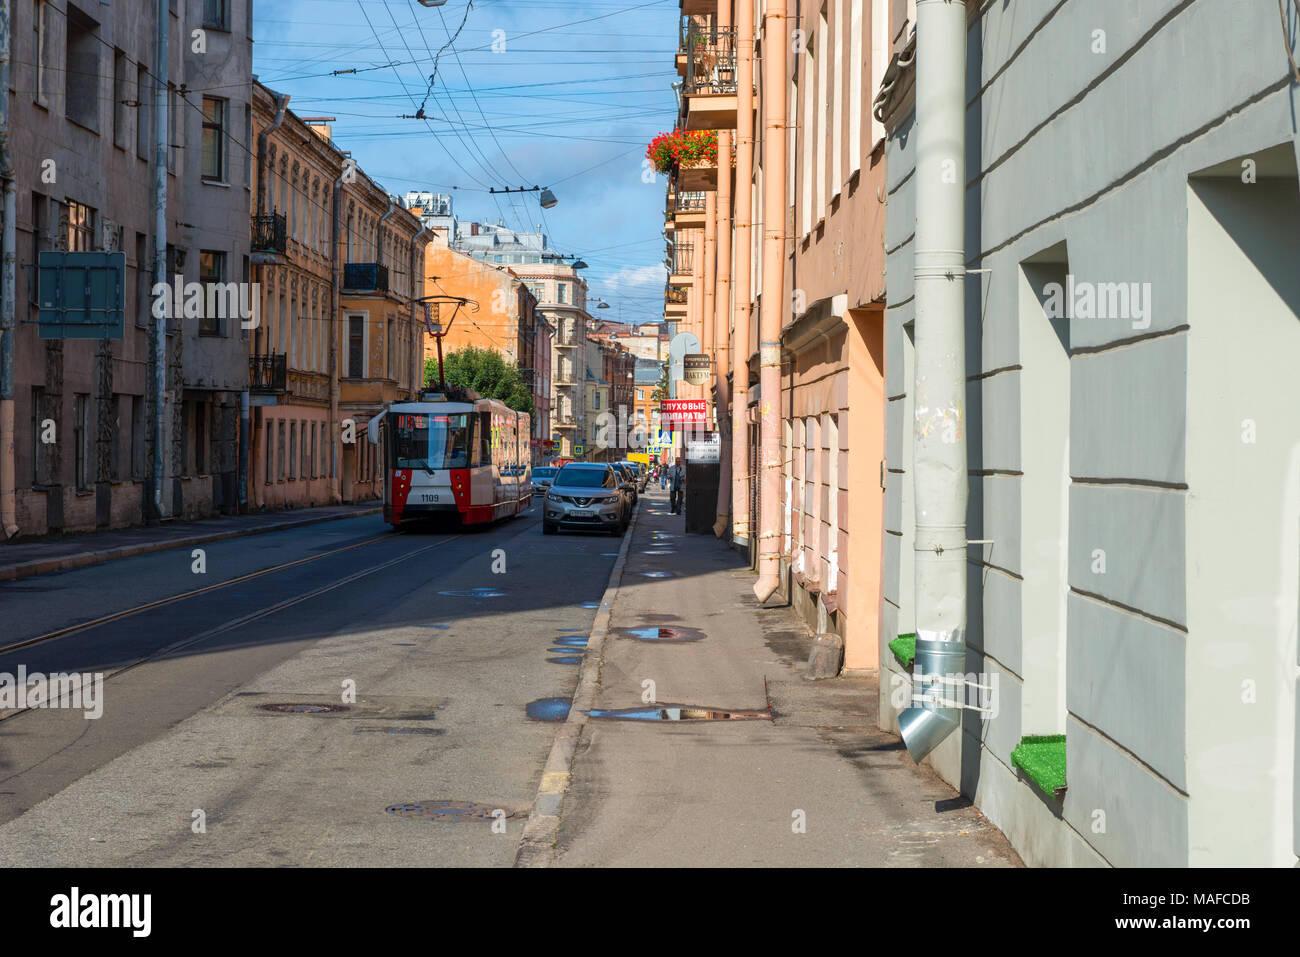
x=433, y=3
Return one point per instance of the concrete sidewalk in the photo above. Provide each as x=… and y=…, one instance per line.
x=76, y=551
x=817, y=785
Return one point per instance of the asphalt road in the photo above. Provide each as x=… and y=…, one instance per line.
x=186, y=767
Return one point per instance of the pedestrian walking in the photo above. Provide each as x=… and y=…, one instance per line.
x=677, y=479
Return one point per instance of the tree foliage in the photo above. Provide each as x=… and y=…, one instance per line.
x=661, y=390
x=487, y=373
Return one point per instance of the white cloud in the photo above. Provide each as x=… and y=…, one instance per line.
x=637, y=277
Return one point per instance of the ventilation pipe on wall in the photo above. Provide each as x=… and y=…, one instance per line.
x=743, y=290
x=939, y=429
x=775, y=71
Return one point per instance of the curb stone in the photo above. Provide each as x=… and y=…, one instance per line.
x=537, y=846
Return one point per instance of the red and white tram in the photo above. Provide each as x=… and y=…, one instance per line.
x=443, y=457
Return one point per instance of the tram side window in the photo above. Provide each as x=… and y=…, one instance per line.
x=485, y=437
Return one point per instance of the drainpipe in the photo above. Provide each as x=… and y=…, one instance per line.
x=335, y=319
x=417, y=344
x=743, y=253
x=160, y=277
x=281, y=105
x=775, y=78
x=722, y=325
x=939, y=440
x=8, y=287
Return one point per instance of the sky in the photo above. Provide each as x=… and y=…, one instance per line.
x=526, y=95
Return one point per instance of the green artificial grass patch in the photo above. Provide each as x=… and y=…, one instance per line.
x=1042, y=759
x=904, y=649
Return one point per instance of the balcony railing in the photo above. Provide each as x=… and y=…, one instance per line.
x=268, y=373
x=270, y=234
x=680, y=257
x=365, y=277
x=711, y=59
x=688, y=202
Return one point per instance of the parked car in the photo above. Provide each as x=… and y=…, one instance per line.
x=642, y=473
x=543, y=476
x=627, y=472
x=590, y=495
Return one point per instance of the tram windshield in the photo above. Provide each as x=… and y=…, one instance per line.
x=423, y=441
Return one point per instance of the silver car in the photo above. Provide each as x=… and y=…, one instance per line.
x=586, y=495
x=543, y=476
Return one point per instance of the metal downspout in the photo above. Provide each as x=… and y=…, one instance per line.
x=939, y=429
x=775, y=79
x=8, y=289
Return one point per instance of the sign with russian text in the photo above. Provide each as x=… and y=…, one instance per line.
x=682, y=411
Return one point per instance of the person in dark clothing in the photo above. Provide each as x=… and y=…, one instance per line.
x=677, y=483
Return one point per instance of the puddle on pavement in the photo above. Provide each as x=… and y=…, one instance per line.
x=306, y=708
x=548, y=709
x=664, y=633
x=565, y=659
x=658, y=574
x=575, y=641
x=659, y=551
x=403, y=644
x=590, y=604
x=452, y=811
x=677, y=712
x=474, y=593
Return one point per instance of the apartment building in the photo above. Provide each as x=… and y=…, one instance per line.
x=789, y=231
x=293, y=352
x=382, y=342
x=1129, y=321
x=82, y=139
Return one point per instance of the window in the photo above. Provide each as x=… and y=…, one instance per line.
x=315, y=428
x=142, y=111
x=248, y=137
x=81, y=77
x=43, y=55
x=119, y=466
x=139, y=456
x=305, y=464
x=293, y=448
x=356, y=347
x=200, y=433
x=119, y=99
x=81, y=441
x=561, y=292
x=807, y=131
x=143, y=297
x=279, y=451
x=819, y=132
x=40, y=450
x=212, y=270
x=837, y=112
x=80, y=230
x=216, y=14
x=270, y=458
x=214, y=139
x=175, y=128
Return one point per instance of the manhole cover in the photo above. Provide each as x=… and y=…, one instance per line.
x=455, y=811
x=679, y=712
x=430, y=731
x=307, y=708
x=665, y=633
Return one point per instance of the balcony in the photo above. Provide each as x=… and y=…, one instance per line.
x=680, y=260
x=268, y=375
x=270, y=238
x=699, y=8
x=701, y=177
x=365, y=277
x=688, y=210
x=676, y=300
x=709, y=87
